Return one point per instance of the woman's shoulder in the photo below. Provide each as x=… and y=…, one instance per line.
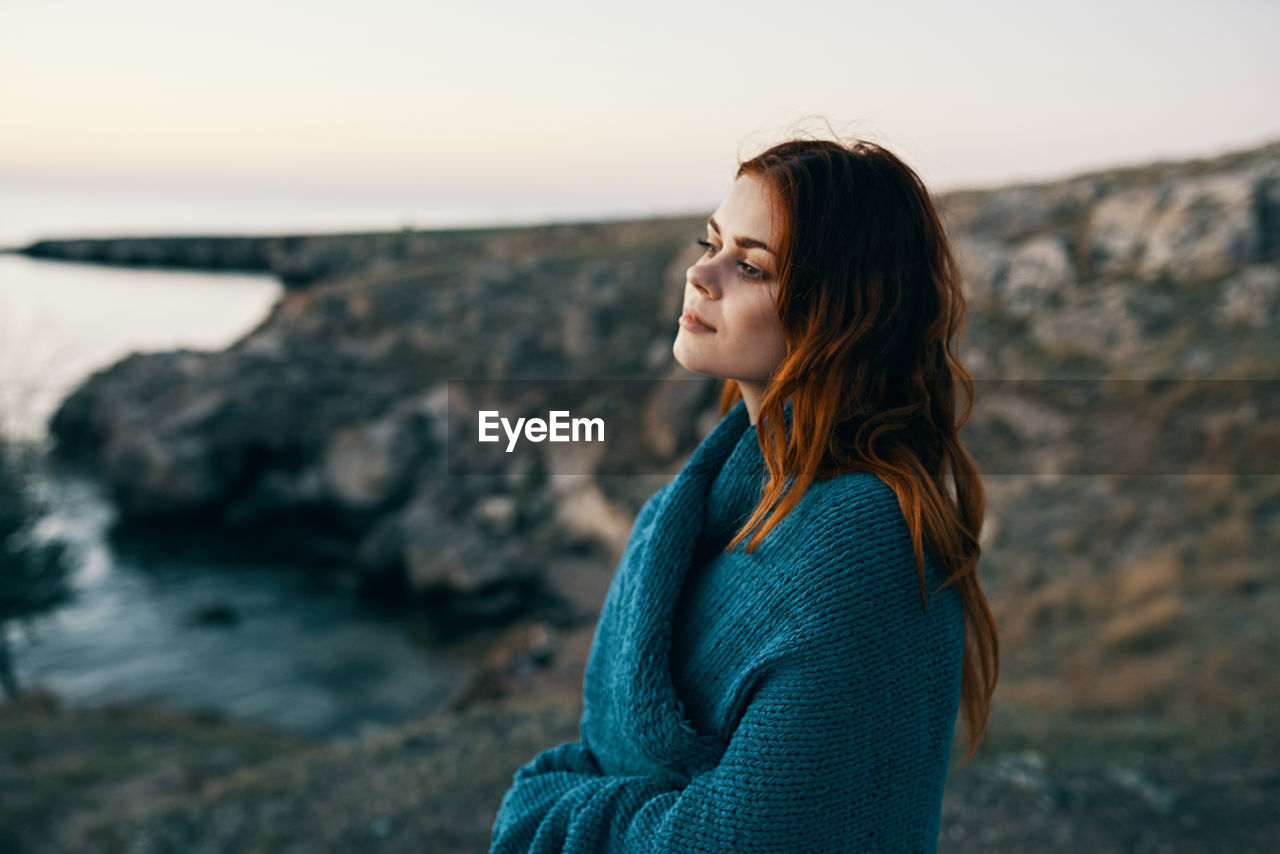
x=863, y=487
x=847, y=537
x=854, y=505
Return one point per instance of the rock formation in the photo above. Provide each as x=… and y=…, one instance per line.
x=330, y=424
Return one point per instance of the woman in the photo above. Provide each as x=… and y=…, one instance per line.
x=796, y=619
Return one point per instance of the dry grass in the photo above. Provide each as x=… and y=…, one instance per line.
x=1150, y=575
x=1145, y=627
x=1232, y=577
x=1133, y=683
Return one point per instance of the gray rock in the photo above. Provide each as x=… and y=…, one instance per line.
x=337, y=415
x=1038, y=270
x=1186, y=230
x=1099, y=323
x=1251, y=297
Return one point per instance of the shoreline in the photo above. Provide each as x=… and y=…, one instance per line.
x=300, y=259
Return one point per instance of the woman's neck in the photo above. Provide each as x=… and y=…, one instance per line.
x=751, y=396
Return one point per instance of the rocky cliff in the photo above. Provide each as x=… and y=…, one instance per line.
x=329, y=425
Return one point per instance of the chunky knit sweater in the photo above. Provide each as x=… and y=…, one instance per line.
x=795, y=699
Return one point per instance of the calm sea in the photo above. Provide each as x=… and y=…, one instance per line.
x=294, y=653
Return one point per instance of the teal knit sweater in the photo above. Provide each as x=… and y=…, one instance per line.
x=795, y=699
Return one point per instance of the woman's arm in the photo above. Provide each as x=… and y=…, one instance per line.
x=536, y=788
x=842, y=747
x=550, y=775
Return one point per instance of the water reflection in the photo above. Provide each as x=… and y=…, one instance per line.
x=60, y=322
x=289, y=649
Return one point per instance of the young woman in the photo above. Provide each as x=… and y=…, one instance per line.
x=796, y=619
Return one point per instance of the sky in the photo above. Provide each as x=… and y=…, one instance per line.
x=574, y=107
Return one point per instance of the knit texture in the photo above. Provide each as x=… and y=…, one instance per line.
x=795, y=699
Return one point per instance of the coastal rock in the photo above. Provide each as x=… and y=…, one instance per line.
x=334, y=414
x=335, y=423
x=1017, y=280
x=1117, y=227
x=980, y=263
x=364, y=465
x=1188, y=230
x=1040, y=268
x=1100, y=324
x=1251, y=298
x=1208, y=228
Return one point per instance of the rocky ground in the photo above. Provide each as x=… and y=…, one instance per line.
x=145, y=780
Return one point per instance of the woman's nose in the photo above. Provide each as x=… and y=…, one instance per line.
x=704, y=280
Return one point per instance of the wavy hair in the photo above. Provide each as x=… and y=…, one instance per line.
x=871, y=304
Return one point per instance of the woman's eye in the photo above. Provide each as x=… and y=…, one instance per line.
x=748, y=271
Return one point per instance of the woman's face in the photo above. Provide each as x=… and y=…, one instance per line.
x=730, y=327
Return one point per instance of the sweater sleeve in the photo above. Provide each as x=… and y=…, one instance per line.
x=841, y=746
x=536, y=788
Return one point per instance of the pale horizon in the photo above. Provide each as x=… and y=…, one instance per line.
x=417, y=115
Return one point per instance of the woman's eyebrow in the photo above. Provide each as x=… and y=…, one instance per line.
x=745, y=242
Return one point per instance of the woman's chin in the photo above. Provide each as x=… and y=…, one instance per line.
x=686, y=359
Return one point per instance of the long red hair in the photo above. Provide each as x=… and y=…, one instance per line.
x=871, y=304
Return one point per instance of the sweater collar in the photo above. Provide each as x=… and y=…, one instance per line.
x=735, y=490
x=727, y=463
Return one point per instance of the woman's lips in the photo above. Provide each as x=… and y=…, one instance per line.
x=691, y=322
